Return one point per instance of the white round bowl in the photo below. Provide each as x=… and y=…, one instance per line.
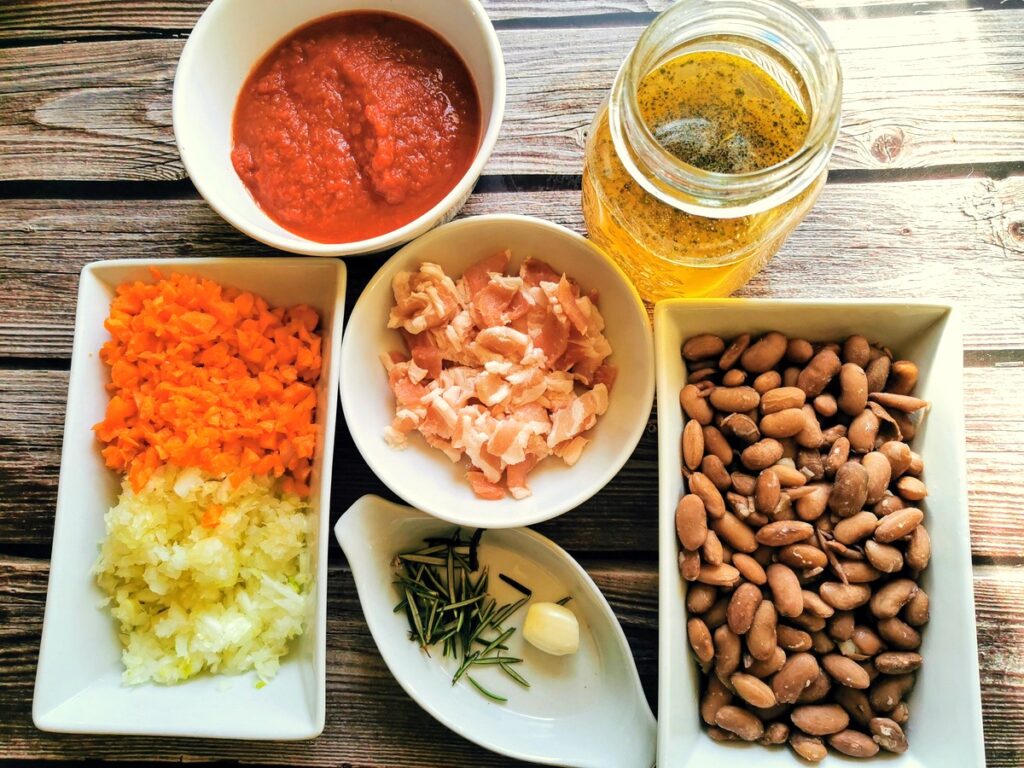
x=423, y=476
x=233, y=35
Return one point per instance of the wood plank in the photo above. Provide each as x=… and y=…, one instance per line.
x=32, y=427
x=366, y=708
x=957, y=240
x=101, y=110
x=59, y=19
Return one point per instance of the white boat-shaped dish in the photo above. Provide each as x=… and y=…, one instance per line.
x=78, y=680
x=585, y=711
x=945, y=706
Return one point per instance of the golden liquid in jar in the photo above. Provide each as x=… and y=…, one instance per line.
x=718, y=112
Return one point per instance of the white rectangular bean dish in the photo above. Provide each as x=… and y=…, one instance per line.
x=944, y=728
x=78, y=682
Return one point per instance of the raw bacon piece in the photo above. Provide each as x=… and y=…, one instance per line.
x=535, y=271
x=492, y=389
x=504, y=343
x=509, y=441
x=424, y=352
x=580, y=415
x=535, y=415
x=527, y=384
x=407, y=392
x=482, y=487
x=390, y=359
x=606, y=374
x=434, y=441
x=478, y=276
x=552, y=337
x=515, y=477
x=568, y=297
x=526, y=371
x=441, y=418
x=429, y=359
x=519, y=306
x=424, y=299
x=594, y=350
x=571, y=450
x=454, y=339
x=491, y=304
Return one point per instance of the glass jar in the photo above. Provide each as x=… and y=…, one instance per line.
x=679, y=230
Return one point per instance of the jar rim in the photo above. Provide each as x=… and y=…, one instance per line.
x=782, y=24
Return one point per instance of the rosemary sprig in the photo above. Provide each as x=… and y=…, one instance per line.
x=446, y=602
x=564, y=600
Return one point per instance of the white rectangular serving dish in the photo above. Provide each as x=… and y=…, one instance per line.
x=78, y=680
x=945, y=706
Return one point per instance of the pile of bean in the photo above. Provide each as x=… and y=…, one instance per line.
x=802, y=540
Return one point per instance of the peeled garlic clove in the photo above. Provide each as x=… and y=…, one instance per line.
x=552, y=628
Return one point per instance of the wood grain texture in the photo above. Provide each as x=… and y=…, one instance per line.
x=956, y=240
x=31, y=431
x=366, y=709
x=101, y=110
x=59, y=19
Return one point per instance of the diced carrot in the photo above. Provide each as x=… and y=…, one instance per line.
x=210, y=377
x=211, y=516
x=199, y=321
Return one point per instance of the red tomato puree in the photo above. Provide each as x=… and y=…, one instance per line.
x=354, y=125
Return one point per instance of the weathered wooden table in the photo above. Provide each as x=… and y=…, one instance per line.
x=925, y=200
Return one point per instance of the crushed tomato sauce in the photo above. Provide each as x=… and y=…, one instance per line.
x=355, y=125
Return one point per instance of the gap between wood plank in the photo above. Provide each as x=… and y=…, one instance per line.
x=35, y=364
x=595, y=20
x=58, y=189
x=995, y=170
x=128, y=35
x=837, y=13
x=47, y=189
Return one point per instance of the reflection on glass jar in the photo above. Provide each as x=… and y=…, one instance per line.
x=713, y=144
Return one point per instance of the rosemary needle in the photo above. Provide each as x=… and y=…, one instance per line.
x=484, y=691
x=497, y=660
x=426, y=560
x=506, y=667
x=497, y=641
x=463, y=603
x=516, y=585
x=474, y=542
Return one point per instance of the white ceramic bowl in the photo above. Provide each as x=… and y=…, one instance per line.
x=233, y=35
x=78, y=679
x=945, y=705
x=423, y=476
x=586, y=710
